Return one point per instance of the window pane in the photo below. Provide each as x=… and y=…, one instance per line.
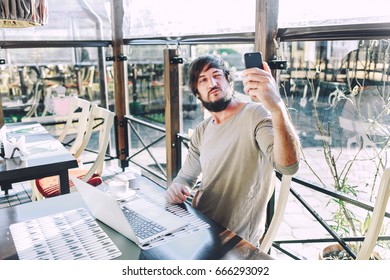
x=176, y=17
x=90, y=19
x=300, y=13
x=338, y=93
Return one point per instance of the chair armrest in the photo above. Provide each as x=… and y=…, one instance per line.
x=377, y=217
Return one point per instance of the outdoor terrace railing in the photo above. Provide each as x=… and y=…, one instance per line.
x=160, y=173
x=335, y=237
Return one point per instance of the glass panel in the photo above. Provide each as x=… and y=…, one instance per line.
x=177, y=18
x=90, y=19
x=32, y=77
x=300, y=13
x=42, y=56
x=338, y=93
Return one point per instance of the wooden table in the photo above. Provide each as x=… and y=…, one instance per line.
x=212, y=243
x=47, y=157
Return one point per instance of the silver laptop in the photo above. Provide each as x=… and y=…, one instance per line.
x=138, y=219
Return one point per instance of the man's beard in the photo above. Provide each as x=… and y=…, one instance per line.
x=217, y=106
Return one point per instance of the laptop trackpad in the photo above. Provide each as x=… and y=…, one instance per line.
x=151, y=211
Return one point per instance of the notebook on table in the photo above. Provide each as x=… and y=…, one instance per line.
x=138, y=219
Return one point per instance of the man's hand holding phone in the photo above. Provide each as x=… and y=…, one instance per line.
x=259, y=82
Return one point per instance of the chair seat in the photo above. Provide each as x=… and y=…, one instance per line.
x=50, y=186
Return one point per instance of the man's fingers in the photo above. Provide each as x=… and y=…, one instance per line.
x=186, y=191
x=177, y=194
x=266, y=67
x=169, y=197
x=173, y=198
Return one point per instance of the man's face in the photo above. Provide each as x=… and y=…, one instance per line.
x=214, y=89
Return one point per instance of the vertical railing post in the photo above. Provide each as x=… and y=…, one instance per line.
x=266, y=27
x=120, y=77
x=172, y=111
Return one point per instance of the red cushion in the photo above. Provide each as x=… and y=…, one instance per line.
x=50, y=186
x=95, y=180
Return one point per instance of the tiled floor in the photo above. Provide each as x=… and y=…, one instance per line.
x=20, y=193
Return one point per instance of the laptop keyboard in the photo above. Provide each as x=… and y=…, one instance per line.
x=142, y=227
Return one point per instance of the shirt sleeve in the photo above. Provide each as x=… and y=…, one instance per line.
x=191, y=168
x=264, y=134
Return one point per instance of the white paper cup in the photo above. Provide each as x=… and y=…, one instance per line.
x=118, y=188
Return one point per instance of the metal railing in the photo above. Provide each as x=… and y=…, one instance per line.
x=131, y=121
x=335, y=237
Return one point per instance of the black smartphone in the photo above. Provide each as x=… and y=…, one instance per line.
x=253, y=59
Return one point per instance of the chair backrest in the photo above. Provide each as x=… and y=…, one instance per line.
x=104, y=120
x=278, y=214
x=78, y=111
x=38, y=88
x=89, y=75
x=377, y=217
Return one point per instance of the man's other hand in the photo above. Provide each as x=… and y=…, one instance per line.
x=177, y=193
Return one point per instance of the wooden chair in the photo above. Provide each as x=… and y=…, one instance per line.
x=361, y=132
x=74, y=113
x=76, y=123
x=377, y=217
x=87, y=82
x=32, y=110
x=281, y=203
x=49, y=186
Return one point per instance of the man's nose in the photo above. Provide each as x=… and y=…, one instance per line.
x=212, y=82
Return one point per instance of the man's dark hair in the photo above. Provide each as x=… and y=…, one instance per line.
x=199, y=63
